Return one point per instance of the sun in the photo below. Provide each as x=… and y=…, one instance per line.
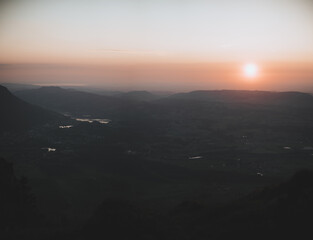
x=250, y=70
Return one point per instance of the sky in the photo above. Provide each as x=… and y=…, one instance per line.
x=160, y=45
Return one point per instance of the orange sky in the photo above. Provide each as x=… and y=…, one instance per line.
x=160, y=45
x=170, y=76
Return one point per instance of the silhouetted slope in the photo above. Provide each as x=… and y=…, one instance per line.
x=13, y=87
x=279, y=212
x=296, y=99
x=68, y=100
x=17, y=203
x=283, y=211
x=118, y=219
x=19, y=115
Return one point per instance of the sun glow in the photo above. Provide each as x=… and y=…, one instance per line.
x=250, y=70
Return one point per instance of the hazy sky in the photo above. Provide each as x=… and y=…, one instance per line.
x=161, y=44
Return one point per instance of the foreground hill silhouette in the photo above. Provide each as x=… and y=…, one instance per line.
x=277, y=212
x=19, y=115
x=17, y=203
x=280, y=211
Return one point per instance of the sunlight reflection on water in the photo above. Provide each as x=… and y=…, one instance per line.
x=90, y=120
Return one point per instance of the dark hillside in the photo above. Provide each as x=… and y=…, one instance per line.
x=19, y=115
x=71, y=101
x=295, y=99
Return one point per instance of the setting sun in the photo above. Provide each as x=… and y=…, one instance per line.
x=250, y=70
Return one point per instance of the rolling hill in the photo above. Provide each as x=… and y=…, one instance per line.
x=295, y=99
x=71, y=101
x=19, y=115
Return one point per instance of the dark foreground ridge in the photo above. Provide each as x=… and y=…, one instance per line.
x=278, y=211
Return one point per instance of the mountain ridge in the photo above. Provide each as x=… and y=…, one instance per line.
x=248, y=96
x=19, y=115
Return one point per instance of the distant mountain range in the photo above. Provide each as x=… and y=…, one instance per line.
x=132, y=105
x=297, y=99
x=139, y=96
x=13, y=87
x=81, y=103
x=19, y=115
x=70, y=101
